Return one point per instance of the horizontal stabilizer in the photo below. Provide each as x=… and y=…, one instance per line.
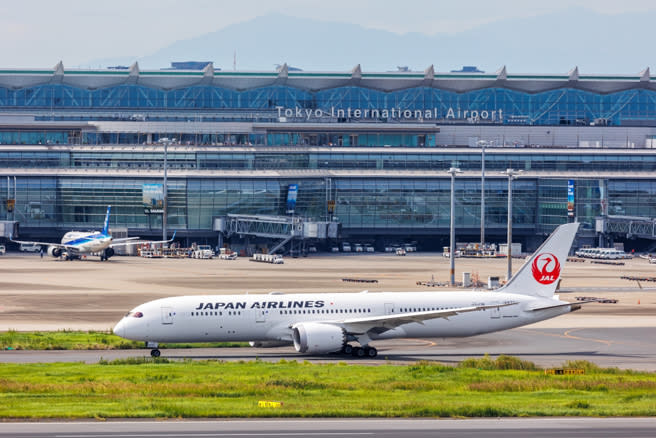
x=575, y=306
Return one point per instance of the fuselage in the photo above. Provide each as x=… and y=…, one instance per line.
x=271, y=317
x=87, y=242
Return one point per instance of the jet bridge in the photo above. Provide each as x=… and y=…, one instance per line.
x=628, y=226
x=283, y=228
x=9, y=229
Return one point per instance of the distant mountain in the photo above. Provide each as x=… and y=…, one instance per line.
x=553, y=43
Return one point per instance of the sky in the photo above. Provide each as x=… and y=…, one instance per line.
x=40, y=33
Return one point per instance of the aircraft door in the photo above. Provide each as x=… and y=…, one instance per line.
x=261, y=315
x=495, y=313
x=167, y=315
x=389, y=308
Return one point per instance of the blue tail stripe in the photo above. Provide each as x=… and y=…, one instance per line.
x=105, y=229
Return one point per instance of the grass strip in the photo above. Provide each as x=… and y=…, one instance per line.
x=160, y=388
x=80, y=340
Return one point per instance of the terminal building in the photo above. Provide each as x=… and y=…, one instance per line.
x=355, y=156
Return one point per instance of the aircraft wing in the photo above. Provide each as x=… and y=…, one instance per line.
x=46, y=244
x=388, y=322
x=125, y=241
x=135, y=241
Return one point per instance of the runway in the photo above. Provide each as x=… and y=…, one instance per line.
x=409, y=428
x=621, y=347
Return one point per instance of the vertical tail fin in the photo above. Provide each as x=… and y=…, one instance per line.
x=540, y=274
x=105, y=229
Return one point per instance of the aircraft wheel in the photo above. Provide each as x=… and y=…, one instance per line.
x=371, y=352
x=347, y=349
x=358, y=352
x=155, y=352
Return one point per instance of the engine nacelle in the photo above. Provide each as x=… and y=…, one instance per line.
x=53, y=251
x=269, y=344
x=109, y=252
x=313, y=337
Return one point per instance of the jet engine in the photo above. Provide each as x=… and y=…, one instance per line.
x=312, y=337
x=108, y=253
x=54, y=251
x=268, y=344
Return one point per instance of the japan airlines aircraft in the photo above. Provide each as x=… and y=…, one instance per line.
x=319, y=323
x=76, y=243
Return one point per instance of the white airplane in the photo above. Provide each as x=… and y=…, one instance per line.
x=320, y=323
x=76, y=243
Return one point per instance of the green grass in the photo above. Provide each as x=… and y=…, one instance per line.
x=147, y=388
x=78, y=340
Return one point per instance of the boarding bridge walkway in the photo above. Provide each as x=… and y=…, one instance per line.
x=285, y=228
x=629, y=226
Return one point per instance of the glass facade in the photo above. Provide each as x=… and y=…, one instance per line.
x=397, y=201
x=561, y=106
x=366, y=205
x=297, y=159
x=425, y=203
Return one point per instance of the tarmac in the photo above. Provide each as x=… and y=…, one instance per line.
x=51, y=294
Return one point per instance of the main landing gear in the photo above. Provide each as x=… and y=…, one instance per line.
x=365, y=351
x=155, y=352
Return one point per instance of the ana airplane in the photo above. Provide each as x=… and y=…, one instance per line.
x=319, y=323
x=76, y=243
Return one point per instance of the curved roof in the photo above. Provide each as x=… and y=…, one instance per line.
x=316, y=81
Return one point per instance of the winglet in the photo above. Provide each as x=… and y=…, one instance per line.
x=105, y=229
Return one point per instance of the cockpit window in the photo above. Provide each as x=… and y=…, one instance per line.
x=138, y=315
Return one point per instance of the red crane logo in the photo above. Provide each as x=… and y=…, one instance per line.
x=546, y=268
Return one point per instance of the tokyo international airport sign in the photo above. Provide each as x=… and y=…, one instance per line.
x=394, y=113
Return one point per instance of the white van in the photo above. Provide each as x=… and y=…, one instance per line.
x=29, y=247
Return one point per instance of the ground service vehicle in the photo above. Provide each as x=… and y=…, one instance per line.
x=29, y=247
x=202, y=252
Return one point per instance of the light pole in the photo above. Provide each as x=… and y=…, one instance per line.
x=165, y=193
x=482, y=143
x=511, y=174
x=453, y=171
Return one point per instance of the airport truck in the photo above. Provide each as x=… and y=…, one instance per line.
x=202, y=252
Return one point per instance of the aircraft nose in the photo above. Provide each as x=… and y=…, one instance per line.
x=119, y=329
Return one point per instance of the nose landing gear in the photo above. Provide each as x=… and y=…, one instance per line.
x=154, y=352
